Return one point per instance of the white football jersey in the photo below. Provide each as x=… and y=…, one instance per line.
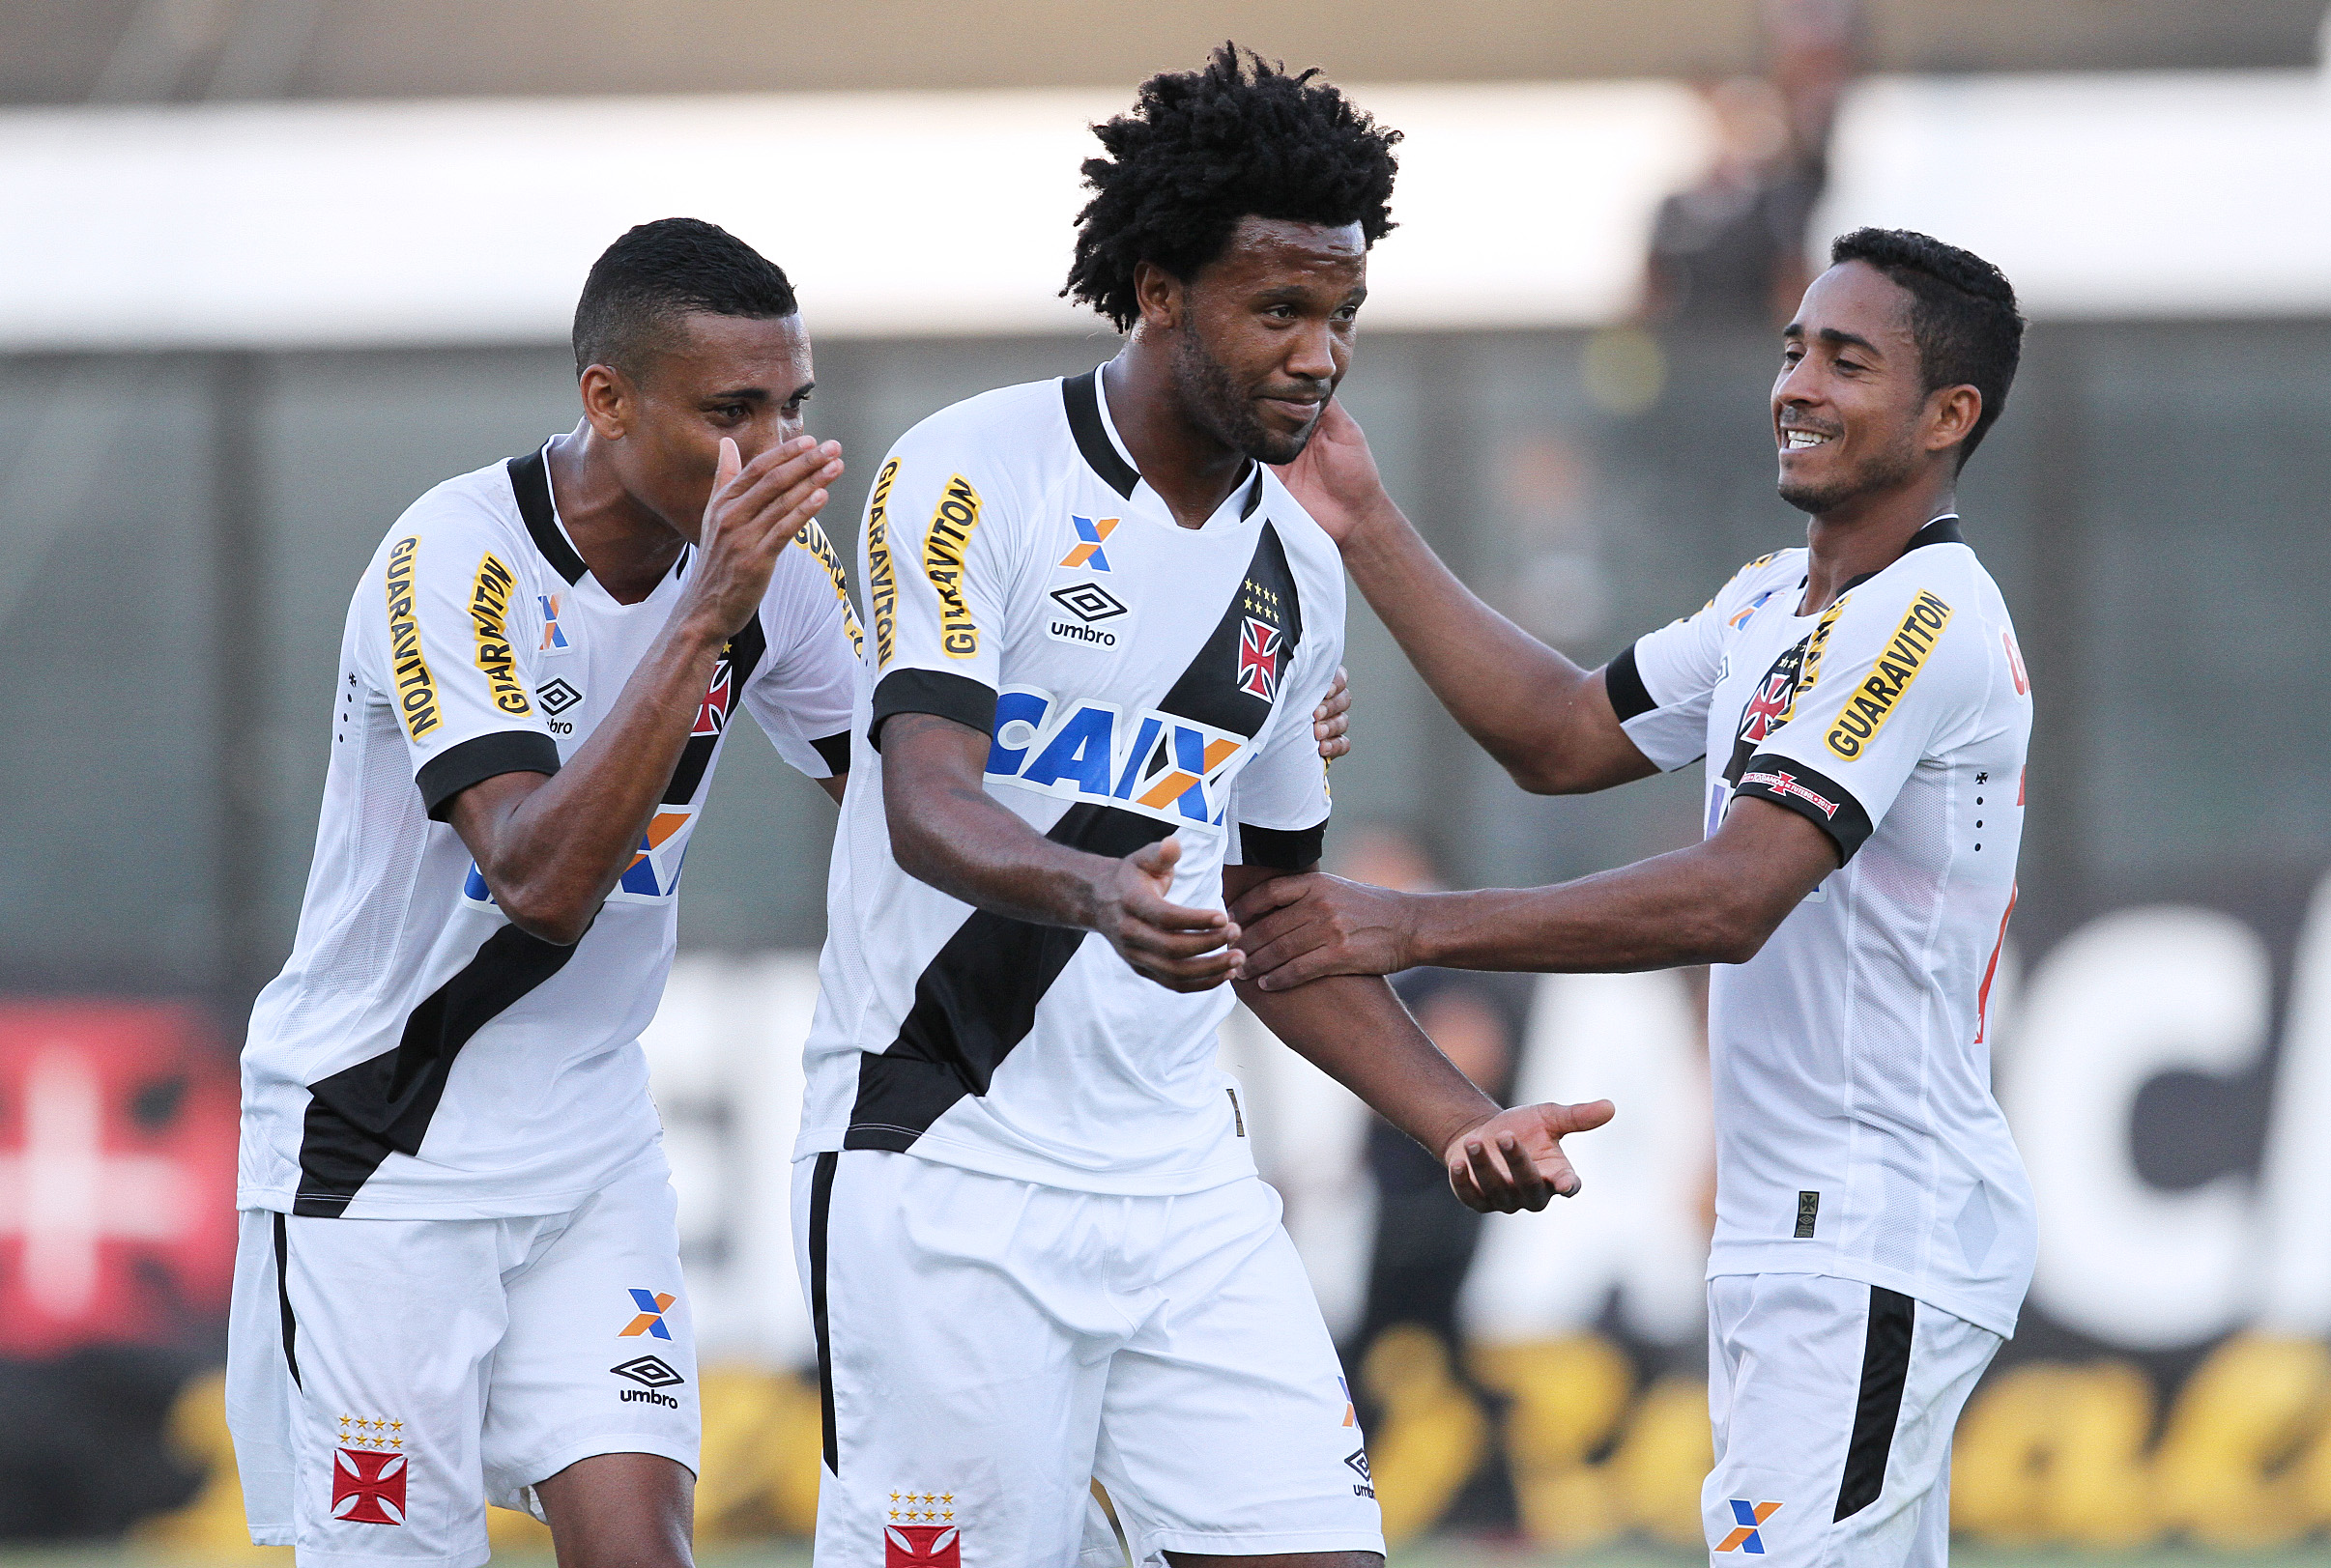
x=1139, y=679
x=420, y=1057
x=1856, y=1134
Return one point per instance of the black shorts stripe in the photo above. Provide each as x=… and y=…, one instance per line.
x=1629, y=696
x=291, y=1324
x=821, y=1198
x=1885, y=1370
x=382, y=1105
x=529, y=482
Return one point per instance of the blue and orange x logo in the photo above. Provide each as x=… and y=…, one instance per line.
x=1749, y=1515
x=653, y=1304
x=1090, y=532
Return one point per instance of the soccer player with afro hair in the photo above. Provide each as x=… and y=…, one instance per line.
x=1035, y=1244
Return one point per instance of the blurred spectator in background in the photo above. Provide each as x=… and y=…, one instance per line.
x=1731, y=248
x=1426, y=1238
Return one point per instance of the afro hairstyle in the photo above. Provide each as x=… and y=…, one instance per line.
x=1202, y=150
x=652, y=275
x=1962, y=314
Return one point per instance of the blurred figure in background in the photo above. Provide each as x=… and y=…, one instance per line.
x=1425, y=1240
x=1731, y=248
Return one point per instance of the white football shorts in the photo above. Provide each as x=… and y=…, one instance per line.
x=1833, y=1404
x=988, y=1348
x=389, y=1378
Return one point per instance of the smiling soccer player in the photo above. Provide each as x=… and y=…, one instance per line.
x=1863, y=712
x=1034, y=1243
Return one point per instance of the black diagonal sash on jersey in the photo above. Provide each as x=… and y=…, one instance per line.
x=360, y=1115
x=977, y=998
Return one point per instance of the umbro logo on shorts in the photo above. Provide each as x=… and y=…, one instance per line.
x=649, y=1372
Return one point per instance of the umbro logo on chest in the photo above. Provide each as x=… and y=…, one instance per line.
x=1081, y=609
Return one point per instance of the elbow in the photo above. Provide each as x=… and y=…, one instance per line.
x=546, y=916
x=1735, y=930
x=1537, y=774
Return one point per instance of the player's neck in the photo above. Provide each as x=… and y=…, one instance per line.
x=628, y=547
x=1189, y=467
x=1868, y=534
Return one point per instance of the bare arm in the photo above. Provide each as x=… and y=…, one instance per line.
x=1547, y=721
x=551, y=848
x=948, y=831
x=1356, y=1030
x=1715, y=902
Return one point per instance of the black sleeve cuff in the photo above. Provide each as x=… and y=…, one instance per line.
x=1818, y=798
x=1282, y=849
x=835, y=750
x=511, y=750
x=1629, y=696
x=968, y=702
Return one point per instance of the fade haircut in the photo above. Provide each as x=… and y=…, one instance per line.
x=1203, y=148
x=659, y=273
x=1962, y=314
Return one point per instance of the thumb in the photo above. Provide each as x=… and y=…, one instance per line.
x=730, y=464
x=1157, y=859
x=1584, y=1117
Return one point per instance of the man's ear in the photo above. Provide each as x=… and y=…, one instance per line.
x=1160, y=295
x=607, y=399
x=1951, y=413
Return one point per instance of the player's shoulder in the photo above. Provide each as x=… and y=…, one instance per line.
x=477, y=510
x=994, y=431
x=1773, y=569
x=1308, y=545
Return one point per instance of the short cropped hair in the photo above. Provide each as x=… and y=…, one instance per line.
x=1962, y=314
x=643, y=283
x=1204, y=149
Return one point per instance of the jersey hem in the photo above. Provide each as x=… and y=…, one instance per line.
x=1243, y=1543
x=1752, y=1260
x=280, y=1200
x=985, y=1162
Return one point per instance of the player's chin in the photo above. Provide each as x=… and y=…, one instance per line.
x=1279, y=446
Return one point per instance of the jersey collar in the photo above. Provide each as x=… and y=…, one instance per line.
x=1938, y=530
x=1103, y=450
x=530, y=481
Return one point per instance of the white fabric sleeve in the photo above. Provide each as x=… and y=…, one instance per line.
x=435, y=607
x=801, y=694
x=1886, y=673
x=1659, y=685
x=1280, y=799
x=938, y=563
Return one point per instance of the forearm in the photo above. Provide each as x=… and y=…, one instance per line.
x=1685, y=908
x=970, y=846
x=561, y=848
x=1511, y=692
x=1355, y=1030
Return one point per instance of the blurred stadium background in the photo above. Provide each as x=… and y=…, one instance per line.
x=273, y=266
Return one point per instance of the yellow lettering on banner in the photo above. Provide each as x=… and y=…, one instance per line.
x=1897, y=666
x=1432, y=1434
x=2055, y=1454
x=881, y=579
x=408, y=671
x=814, y=540
x=489, y=613
x=1566, y=1396
x=2222, y=1470
x=946, y=548
x=1809, y=668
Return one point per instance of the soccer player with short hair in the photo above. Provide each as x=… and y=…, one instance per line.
x=1032, y=1237
x=458, y=1275
x=1864, y=711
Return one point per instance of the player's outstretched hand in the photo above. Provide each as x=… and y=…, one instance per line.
x=1515, y=1160
x=1332, y=718
x=1300, y=928
x=1335, y=476
x=1181, y=949
x=756, y=510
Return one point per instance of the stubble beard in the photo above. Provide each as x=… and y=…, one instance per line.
x=1882, y=471
x=1217, y=404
